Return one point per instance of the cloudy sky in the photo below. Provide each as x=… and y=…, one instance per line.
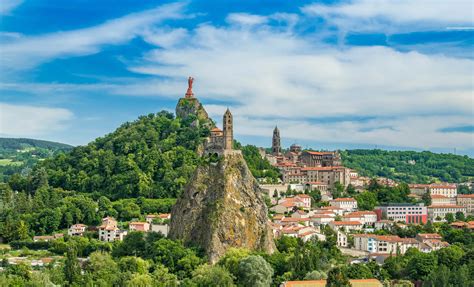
x=330, y=74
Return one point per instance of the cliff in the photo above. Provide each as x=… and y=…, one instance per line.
x=192, y=107
x=222, y=207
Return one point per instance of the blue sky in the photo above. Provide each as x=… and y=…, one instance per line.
x=330, y=74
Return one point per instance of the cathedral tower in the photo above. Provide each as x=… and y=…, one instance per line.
x=228, y=124
x=276, y=146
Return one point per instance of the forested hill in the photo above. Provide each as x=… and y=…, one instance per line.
x=14, y=144
x=410, y=166
x=151, y=157
x=20, y=154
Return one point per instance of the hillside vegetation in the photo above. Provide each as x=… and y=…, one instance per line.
x=152, y=157
x=20, y=154
x=410, y=166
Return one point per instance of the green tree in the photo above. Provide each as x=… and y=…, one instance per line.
x=162, y=277
x=426, y=198
x=254, y=271
x=102, y=268
x=212, y=276
x=315, y=275
x=460, y=216
x=337, y=278
x=140, y=280
x=359, y=271
x=449, y=217
x=72, y=270
x=232, y=258
x=366, y=200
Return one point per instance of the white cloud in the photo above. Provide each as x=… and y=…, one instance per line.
x=20, y=120
x=246, y=19
x=272, y=77
x=368, y=14
x=29, y=51
x=7, y=6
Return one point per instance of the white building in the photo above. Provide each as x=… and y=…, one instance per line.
x=439, y=212
x=345, y=225
x=346, y=203
x=446, y=189
x=77, y=229
x=365, y=217
x=109, y=231
x=467, y=201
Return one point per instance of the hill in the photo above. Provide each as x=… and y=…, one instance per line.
x=20, y=154
x=152, y=157
x=410, y=166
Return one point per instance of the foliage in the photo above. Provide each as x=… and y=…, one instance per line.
x=152, y=157
x=19, y=155
x=337, y=278
x=259, y=166
x=253, y=270
x=410, y=166
x=212, y=276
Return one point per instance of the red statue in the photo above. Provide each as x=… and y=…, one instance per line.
x=189, y=93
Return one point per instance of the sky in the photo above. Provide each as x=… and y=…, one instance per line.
x=330, y=74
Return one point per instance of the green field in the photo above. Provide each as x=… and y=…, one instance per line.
x=9, y=161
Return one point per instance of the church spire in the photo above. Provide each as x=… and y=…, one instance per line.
x=276, y=144
x=228, y=124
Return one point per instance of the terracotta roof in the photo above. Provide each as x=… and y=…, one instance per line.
x=346, y=223
x=292, y=219
x=344, y=199
x=303, y=195
x=216, y=129
x=445, y=206
x=429, y=235
x=138, y=223
x=439, y=196
x=321, y=168
x=466, y=195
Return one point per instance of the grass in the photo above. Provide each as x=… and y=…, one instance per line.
x=8, y=161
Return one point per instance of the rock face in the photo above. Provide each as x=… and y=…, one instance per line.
x=191, y=106
x=222, y=207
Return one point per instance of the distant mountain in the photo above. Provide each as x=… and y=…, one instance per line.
x=410, y=166
x=20, y=154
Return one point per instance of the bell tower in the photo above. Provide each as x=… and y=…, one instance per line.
x=228, y=124
x=276, y=145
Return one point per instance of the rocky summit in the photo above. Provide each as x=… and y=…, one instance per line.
x=222, y=207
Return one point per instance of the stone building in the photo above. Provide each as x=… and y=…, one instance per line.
x=320, y=159
x=221, y=140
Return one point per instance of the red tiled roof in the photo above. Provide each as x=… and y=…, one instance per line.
x=346, y=223
x=466, y=195
x=344, y=199
x=445, y=206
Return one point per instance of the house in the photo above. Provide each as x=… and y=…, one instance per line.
x=139, y=226
x=47, y=237
x=333, y=209
x=345, y=225
x=109, y=231
x=439, y=212
x=446, y=189
x=300, y=214
x=365, y=217
x=322, y=283
x=161, y=217
x=306, y=199
x=437, y=199
x=431, y=242
x=346, y=203
x=294, y=221
x=383, y=224
x=341, y=239
x=467, y=201
x=77, y=229
x=322, y=219
x=384, y=244
x=462, y=224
